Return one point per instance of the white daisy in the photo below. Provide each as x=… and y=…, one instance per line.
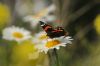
x=16, y=33
x=43, y=14
x=48, y=44
x=32, y=20
x=38, y=38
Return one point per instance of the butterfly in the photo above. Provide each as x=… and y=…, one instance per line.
x=51, y=32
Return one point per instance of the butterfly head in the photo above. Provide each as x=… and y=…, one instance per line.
x=42, y=23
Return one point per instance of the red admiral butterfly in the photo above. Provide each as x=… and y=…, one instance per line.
x=53, y=33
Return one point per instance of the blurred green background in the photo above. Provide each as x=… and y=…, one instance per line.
x=81, y=18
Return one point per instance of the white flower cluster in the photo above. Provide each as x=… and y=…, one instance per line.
x=44, y=43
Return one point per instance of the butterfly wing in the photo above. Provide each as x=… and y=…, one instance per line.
x=52, y=33
x=46, y=27
x=60, y=31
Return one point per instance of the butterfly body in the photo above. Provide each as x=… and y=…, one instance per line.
x=52, y=33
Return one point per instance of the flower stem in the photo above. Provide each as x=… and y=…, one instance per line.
x=56, y=56
x=53, y=57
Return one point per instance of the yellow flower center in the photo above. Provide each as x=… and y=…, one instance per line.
x=18, y=35
x=44, y=36
x=52, y=43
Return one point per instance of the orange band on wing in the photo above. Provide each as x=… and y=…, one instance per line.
x=46, y=28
